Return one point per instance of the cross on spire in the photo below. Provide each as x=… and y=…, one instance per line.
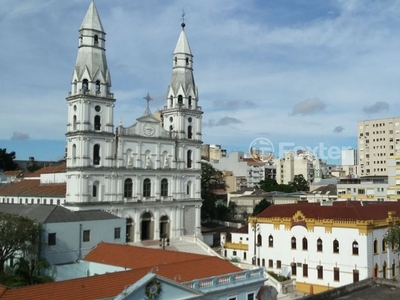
x=148, y=99
x=183, y=18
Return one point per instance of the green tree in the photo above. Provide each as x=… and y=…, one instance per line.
x=31, y=271
x=210, y=178
x=7, y=160
x=18, y=235
x=260, y=206
x=270, y=185
x=392, y=238
x=299, y=184
x=33, y=167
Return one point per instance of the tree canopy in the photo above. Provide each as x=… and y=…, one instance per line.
x=7, y=160
x=260, y=206
x=299, y=184
x=18, y=235
x=392, y=238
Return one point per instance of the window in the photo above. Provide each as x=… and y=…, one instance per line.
x=244, y=255
x=97, y=124
x=96, y=154
x=320, y=272
x=270, y=263
x=188, y=188
x=86, y=235
x=164, y=187
x=375, y=247
x=51, y=239
x=336, y=274
x=294, y=269
x=259, y=240
x=128, y=188
x=335, y=246
x=293, y=242
x=305, y=270
x=319, y=245
x=232, y=298
x=97, y=85
x=270, y=241
x=96, y=39
x=356, y=276
x=384, y=245
x=85, y=84
x=74, y=123
x=189, y=133
x=250, y=296
x=146, y=187
x=278, y=264
x=180, y=100
x=234, y=253
x=190, y=102
x=355, y=248
x=305, y=244
x=74, y=151
x=187, y=60
x=117, y=233
x=189, y=159
x=94, y=191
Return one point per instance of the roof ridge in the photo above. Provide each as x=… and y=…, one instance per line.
x=52, y=211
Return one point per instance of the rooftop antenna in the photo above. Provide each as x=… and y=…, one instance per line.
x=148, y=99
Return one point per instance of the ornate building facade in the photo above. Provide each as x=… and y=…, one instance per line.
x=148, y=173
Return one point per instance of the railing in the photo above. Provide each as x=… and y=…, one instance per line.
x=224, y=280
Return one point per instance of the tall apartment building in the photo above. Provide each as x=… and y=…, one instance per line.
x=294, y=164
x=377, y=140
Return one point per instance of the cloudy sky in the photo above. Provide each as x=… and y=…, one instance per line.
x=292, y=71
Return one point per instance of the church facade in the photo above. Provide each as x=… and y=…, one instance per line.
x=149, y=172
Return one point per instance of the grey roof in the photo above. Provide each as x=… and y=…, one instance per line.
x=54, y=213
x=326, y=189
x=92, y=19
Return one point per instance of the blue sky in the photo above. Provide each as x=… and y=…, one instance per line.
x=296, y=71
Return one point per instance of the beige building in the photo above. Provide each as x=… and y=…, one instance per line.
x=294, y=164
x=212, y=152
x=377, y=140
x=393, y=169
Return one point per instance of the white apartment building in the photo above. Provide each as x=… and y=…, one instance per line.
x=240, y=166
x=321, y=246
x=377, y=140
x=367, y=188
x=294, y=164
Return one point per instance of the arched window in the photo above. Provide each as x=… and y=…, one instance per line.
x=97, y=124
x=94, y=191
x=128, y=188
x=375, y=246
x=319, y=245
x=270, y=241
x=187, y=61
x=355, y=248
x=96, y=39
x=383, y=245
x=305, y=244
x=74, y=123
x=293, y=243
x=171, y=101
x=146, y=187
x=74, y=151
x=96, y=154
x=97, y=85
x=85, y=84
x=180, y=100
x=189, y=133
x=335, y=246
x=189, y=159
x=190, y=101
x=188, y=188
x=164, y=187
x=259, y=240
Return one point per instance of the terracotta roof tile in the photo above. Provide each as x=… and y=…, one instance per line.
x=32, y=187
x=14, y=173
x=340, y=210
x=47, y=170
x=178, y=266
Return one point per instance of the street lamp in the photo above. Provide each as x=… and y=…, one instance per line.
x=256, y=227
x=164, y=240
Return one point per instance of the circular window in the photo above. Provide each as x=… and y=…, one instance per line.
x=171, y=119
x=190, y=120
x=97, y=108
x=74, y=107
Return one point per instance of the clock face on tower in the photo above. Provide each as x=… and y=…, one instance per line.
x=148, y=129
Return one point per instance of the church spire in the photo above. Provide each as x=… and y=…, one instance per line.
x=91, y=73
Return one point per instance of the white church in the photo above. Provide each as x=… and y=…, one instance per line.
x=147, y=173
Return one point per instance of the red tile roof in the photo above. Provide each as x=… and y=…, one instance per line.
x=178, y=266
x=48, y=170
x=340, y=210
x=32, y=187
x=14, y=173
